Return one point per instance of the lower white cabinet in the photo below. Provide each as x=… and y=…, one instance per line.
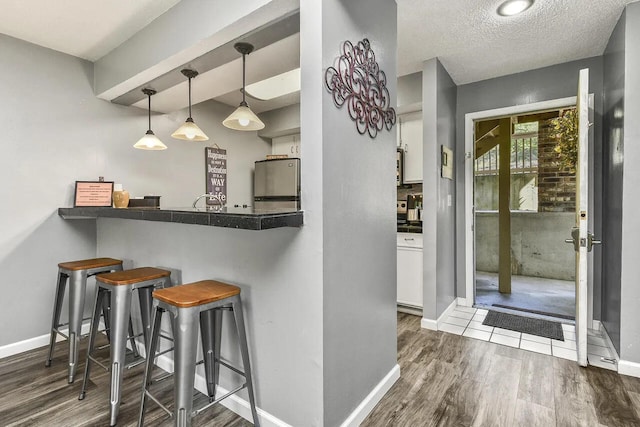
x=409, y=275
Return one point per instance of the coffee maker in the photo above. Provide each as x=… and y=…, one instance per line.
x=414, y=207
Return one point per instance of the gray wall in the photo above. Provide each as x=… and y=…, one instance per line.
x=283, y=121
x=613, y=147
x=410, y=92
x=630, y=294
x=359, y=220
x=56, y=132
x=439, y=115
x=557, y=81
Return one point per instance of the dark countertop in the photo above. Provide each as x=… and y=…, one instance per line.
x=230, y=217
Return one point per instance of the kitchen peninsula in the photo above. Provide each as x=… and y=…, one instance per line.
x=230, y=217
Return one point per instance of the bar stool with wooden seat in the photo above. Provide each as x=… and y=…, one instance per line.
x=189, y=304
x=119, y=287
x=76, y=273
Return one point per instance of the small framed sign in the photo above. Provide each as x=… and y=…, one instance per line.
x=215, y=159
x=93, y=194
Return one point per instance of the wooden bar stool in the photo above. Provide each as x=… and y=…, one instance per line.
x=200, y=302
x=76, y=273
x=118, y=287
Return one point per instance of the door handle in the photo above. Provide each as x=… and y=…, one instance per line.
x=575, y=238
x=592, y=241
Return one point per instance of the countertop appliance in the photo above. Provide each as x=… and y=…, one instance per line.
x=276, y=184
x=414, y=206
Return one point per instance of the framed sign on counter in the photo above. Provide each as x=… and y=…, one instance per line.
x=93, y=194
x=215, y=159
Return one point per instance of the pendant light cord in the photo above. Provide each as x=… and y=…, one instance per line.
x=189, y=97
x=149, y=109
x=244, y=61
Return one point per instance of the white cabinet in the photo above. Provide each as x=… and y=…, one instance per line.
x=289, y=145
x=409, y=275
x=410, y=134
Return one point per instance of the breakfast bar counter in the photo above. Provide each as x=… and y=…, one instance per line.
x=229, y=217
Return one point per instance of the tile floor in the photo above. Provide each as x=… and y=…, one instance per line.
x=467, y=321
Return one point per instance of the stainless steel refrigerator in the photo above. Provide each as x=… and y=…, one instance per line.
x=276, y=184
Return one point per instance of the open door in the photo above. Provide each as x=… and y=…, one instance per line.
x=581, y=237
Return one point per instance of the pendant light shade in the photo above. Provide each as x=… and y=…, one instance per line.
x=190, y=131
x=149, y=141
x=243, y=118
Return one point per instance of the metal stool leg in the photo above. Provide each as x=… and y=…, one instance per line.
x=57, y=309
x=93, y=332
x=77, y=293
x=106, y=311
x=211, y=335
x=146, y=304
x=185, y=347
x=151, y=351
x=244, y=350
x=120, y=314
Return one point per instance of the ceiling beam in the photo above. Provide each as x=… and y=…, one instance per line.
x=185, y=32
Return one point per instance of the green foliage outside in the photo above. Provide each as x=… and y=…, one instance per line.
x=566, y=135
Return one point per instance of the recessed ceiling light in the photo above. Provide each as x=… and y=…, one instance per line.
x=514, y=7
x=276, y=86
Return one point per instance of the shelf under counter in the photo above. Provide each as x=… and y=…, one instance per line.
x=239, y=218
x=410, y=228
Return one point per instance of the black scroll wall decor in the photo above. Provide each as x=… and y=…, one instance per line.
x=358, y=81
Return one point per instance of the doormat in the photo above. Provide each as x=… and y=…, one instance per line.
x=528, y=310
x=527, y=325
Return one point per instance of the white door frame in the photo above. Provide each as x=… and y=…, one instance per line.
x=469, y=119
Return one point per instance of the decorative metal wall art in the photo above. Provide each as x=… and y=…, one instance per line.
x=358, y=81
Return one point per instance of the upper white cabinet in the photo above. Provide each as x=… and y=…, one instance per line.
x=410, y=140
x=289, y=145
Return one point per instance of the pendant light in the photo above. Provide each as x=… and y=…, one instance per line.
x=243, y=118
x=149, y=141
x=190, y=131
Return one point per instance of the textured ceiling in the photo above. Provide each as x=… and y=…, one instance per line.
x=82, y=28
x=468, y=36
x=474, y=43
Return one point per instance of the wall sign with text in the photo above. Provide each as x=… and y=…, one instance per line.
x=215, y=160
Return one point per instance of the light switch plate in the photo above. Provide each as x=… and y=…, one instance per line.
x=449, y=201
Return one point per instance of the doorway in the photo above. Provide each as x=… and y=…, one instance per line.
x=524, y=198
x=469, y=213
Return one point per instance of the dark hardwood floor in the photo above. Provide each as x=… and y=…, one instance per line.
x=447, y=380
x=32, y=395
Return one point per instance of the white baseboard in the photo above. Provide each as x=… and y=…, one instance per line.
x=234, y=403
x=372, y=399
x=429, y=324
x=31, y=343
x=598, y=326
x=463, y=302
x=629, y=368
x=447, y=312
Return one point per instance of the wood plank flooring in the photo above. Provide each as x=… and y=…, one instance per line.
x=450, y=380
x=447, y=380
x=32, y=395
